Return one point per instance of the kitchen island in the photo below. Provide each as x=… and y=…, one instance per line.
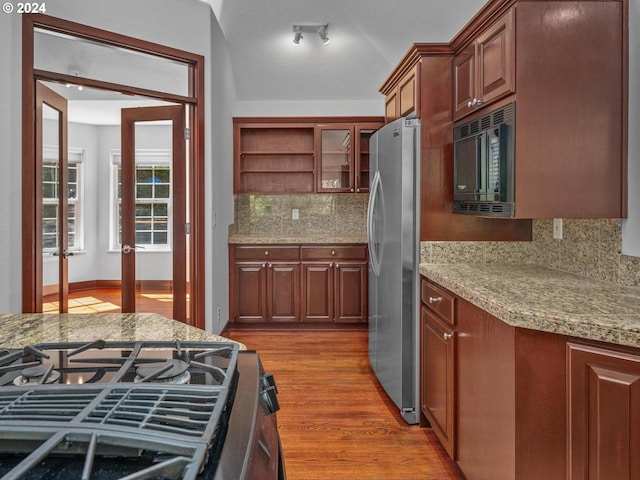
x=542, y=371
x=18, y=330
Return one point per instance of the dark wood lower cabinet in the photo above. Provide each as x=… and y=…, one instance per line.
x=299, y=284
x=317, y=292
x=604, y=414
x=267, y=292
x=437, y=344
x=530, y=405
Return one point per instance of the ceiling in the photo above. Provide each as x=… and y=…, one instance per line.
x=368, y=39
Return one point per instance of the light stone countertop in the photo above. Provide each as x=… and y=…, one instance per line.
x=539, y=298
x=17, y=330
x=292, y=239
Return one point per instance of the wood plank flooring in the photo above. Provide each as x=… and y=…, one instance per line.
x=107, y=300
x=336, y=422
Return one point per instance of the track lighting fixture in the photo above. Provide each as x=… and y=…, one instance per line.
x=320, y=28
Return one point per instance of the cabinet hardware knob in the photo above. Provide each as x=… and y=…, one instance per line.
x=358, y=190
x=447, y=336
x=266, y=252
x=264, y=265
x=333, y=252
x=352, y=190
x=470, y=103
x=435, y=299
x=479, y=102
x=269, y=265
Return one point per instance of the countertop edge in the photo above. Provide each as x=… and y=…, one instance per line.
x=609, y=327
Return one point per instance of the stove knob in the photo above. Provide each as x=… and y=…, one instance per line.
x=269, y=394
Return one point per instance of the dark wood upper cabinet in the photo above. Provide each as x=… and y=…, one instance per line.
x=483, y=71
x=302, y=154
x=564, y=64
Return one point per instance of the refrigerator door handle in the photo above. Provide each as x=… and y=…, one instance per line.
x=371, y=232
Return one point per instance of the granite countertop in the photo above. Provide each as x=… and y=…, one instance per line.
x=540, y=298
x=296, y=239
x=18, y=330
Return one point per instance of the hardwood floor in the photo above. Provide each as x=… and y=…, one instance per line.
x=336, y=422
x=107, y=300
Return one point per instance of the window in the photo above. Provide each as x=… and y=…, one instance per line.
x=50, y=199
x=153, y=200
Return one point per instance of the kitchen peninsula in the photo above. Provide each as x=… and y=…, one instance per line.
x=20, y=330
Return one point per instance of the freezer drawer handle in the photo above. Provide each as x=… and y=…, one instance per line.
x=435, y=299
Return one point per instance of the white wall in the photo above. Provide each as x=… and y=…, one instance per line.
x=310, y=108
x=189, y=26
x=11, y=164
x=631, y=226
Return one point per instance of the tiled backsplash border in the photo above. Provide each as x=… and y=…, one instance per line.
x=590, y=247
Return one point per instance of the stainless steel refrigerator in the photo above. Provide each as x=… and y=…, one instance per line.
x=393, y=230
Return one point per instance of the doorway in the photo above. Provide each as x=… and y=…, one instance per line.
x=156, y=207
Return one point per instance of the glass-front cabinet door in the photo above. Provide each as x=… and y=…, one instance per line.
x=335, y=163
x=361, y=173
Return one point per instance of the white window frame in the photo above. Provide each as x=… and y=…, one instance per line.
x=144, y=158
x=75, y=156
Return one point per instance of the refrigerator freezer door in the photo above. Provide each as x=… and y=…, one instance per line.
x=392, y=324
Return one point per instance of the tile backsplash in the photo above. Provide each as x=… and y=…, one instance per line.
x=319, y=214
x=590, y=247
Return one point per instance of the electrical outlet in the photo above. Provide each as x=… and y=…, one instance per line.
x=218, y=312
x=557, y=228
x=295, y=214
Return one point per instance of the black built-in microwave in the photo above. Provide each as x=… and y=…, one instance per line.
x=483, y=167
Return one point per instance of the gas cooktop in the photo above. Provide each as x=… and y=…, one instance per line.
x=126, y=410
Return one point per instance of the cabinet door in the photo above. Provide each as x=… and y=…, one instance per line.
x=407, y=92
x=495, y=60
x=437, y=378
x=362, y=135
x=391, y=106
x=334, y=168
x=284, y=291
x=604, y=414
x=351, y=292
x=317, y=292
x=250, y=288
x=464, y=83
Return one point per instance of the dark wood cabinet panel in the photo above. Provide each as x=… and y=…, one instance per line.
x=351, y=292
x=403, y=98
x=284, y=291
x=317, y=292
x=604, y=414
x=496, y=61
x=251, y=290
x=484, y=71
x=464, y=81
x=437, y=374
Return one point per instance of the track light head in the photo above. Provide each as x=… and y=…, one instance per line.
x=320, y=28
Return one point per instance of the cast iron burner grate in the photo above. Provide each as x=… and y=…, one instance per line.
x=147, y=430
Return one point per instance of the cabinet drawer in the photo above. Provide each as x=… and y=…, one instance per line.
x=266, y=252
x=334, y=252
x=438, y=300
